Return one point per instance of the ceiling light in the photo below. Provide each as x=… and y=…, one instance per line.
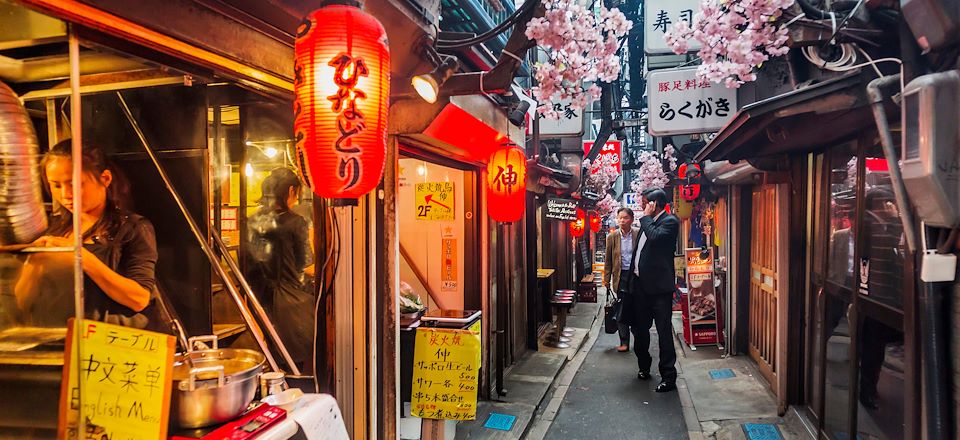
x=270, y=152
x=428, y=85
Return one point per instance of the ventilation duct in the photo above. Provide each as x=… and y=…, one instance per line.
x=22, y=218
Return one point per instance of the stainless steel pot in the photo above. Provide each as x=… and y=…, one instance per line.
x=213, y=386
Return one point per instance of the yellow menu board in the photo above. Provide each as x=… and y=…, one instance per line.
x=434, y=201
x=124, y=376
x=446, y=372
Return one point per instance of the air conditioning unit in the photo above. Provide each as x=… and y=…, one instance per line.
x=934, y=23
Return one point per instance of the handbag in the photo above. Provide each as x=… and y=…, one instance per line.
x=611, y=314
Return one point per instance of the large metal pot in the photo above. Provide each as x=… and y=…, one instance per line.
x=213, y=386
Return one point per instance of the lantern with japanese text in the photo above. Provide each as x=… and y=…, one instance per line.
x=690, y=174
x=595, y=221
x=342, y=86
x=578, y=226
x=506, y=184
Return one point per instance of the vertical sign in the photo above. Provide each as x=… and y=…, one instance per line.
x=659, y=16
x=434, y=201
x=681, y=103
x=610, y=151
x=446, y=366
x=448, y=273
x=125, y=378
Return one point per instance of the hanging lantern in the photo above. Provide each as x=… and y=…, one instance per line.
x=342, y=85
x=691, y=175
x=578, y=226
x=595, y=222
x=506, y=184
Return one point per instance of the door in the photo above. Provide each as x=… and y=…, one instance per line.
x=764, y=285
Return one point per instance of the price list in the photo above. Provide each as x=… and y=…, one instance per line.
x=446, y=371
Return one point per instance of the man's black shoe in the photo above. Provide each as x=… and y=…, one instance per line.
x=643, y=375
x=870, y=401
x=665, y=386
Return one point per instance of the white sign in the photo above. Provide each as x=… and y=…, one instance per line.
x=570, y=123
x=659, y=16
x=632, y=201
x=680, y=103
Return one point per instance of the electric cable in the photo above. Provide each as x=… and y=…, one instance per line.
x=493, y=32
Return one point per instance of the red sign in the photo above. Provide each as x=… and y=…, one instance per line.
x=610, y=150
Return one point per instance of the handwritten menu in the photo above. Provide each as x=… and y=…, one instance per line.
x=446, y=371
x=119, y=381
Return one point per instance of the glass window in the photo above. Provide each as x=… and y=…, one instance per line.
x=843, y=179
x=837, y=367
x=881, y=397
x=883, y=253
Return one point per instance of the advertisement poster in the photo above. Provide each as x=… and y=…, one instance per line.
x=702, y=295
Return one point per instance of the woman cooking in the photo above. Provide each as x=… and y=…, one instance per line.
x=119, y=248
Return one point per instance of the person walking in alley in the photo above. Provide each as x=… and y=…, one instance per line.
x=616, y=266
x=651, y=297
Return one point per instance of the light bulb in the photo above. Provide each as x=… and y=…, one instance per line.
x=248, y=170
x=426, y=87
x=270, y=152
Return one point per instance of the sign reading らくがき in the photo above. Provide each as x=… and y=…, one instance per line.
x=681, y=103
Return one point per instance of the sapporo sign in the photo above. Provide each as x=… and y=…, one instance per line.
x=434, y=201
x=446, y=367
x=561, y=209
x=659, y=16
x=119, y=382
x=680, y=103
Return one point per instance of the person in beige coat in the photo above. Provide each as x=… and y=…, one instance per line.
x=616, y=264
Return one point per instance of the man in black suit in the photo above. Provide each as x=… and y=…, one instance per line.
x=652, y=288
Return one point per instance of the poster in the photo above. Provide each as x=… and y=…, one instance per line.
x=125, y=378
x=446, y=365
x=701, y=292
x=448, y=271
x=434, y=201
x=561, y=209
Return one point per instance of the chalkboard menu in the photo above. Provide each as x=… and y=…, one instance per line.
x=561, y=209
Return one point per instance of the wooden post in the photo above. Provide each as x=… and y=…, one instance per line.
x=389, y=329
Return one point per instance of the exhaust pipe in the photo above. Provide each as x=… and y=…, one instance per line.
x=22, y=218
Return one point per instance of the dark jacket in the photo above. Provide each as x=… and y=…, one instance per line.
x=657, y=274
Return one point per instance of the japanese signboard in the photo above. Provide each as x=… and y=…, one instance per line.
x=124, y=376
x=448, y=272
x=681, y=103
x=561, y=209
x=659, y=16
x=570, y=123
x=610, y=152
x=446, y=366
x=701, y=295
x=434, y=201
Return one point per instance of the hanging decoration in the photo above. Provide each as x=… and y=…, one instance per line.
x=506, y=184
x=595, y=222
x=578, y=226
x=342, y=87
x=689, y=175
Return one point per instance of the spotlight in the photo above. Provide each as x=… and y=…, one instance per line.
x=428, y=85
x=519, y=114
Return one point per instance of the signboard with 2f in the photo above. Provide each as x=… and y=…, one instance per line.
x=434, y=201
x=681, y=103
x=659, y=16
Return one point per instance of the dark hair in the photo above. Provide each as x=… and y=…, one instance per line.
x=627, y=210
x=95, y=162
x=276, y=189
x=657, y=196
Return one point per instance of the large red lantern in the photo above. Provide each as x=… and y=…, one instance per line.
x=506, y=184
x=595, y=222
x=578, y=226
x=342, y=84
x=691, y=174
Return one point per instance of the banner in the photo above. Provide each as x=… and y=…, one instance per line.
x=446, y=372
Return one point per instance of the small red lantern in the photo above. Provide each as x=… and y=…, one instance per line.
x=691, y=173
x=342, y=85
x=578, y=226
x=506, y=184
x=595, y=222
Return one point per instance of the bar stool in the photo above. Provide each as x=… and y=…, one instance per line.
x=571, y=294
x=556, y=339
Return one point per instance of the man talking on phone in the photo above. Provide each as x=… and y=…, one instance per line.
x=651, y=297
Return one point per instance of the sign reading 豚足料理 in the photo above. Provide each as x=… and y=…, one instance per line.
x=659, y=16
x=118, y=380
x=561, y=209
x=448, y=272
x=681, y=103
x=446, y=366
x=434, y=201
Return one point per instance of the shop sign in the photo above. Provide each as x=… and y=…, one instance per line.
x=561, y=209
x=446, y=365
x=634, y=202
x=701, y=294
x=434, y=201
x=681, y=103
x=448, y=273
x=610, y=152
x=570, y=123
x=659, y=16
x=124, y=376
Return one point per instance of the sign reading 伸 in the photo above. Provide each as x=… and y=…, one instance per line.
x=561, y=209
x=681, y=103
x=659, y=16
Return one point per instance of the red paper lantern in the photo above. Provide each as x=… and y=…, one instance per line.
x=691, y=173
x=578, y=226
x=594, y=222
x=506, y=184
x=342, y=85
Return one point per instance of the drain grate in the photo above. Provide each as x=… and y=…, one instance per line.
x=503, y=422
x=725, y=373
x=762, y=431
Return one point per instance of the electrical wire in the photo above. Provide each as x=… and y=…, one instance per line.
x=324, y=289
x=493, y=32
x=848, y=56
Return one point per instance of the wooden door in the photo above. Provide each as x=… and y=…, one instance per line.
x=764, y=288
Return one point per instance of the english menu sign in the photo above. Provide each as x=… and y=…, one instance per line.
x=561, y=209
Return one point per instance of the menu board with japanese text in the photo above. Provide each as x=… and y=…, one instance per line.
x=119, y=381
x=434, y=201
x=446, y=372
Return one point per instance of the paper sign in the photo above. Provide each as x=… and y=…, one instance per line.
x=124, y=376
x=448, y=271
x=446, y=366
x=658, y=18
x=434, y=200
x=681, y=103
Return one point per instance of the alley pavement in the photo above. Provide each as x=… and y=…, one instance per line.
x=607, y=401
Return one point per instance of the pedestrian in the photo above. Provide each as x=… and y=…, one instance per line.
x=616, y=266
x=651, y=297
